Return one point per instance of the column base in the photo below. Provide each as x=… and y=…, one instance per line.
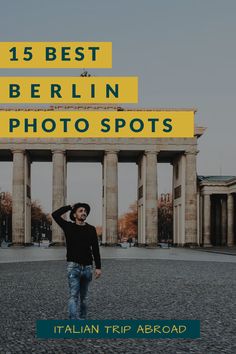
x=207, y=245
x=56, y=244
x=191, y=245
x=152, y=245
x=141, y=244
x=16, y=244
x=230, y=245
x=106, y=244
x=20, y=244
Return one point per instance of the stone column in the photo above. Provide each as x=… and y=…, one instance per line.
x=151, y=199
x=18, y=198
x=230, y=220
x=206, y=220
x=223, y=221
x=58, y=192
x=104, y=223
x=217, y=221
x=110, y=172
x=141, y=192
x=27, y=203
x=191, y=199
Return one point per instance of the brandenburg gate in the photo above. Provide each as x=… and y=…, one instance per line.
x=189, y=227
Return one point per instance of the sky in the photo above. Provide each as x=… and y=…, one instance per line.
x=183, y=52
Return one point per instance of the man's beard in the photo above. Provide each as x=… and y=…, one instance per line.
x=82, y=218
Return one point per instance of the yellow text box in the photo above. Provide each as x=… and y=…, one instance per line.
x=24, y=55
x=61, y=89
x=96, y=124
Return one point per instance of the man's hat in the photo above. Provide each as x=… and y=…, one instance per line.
x=79, y=205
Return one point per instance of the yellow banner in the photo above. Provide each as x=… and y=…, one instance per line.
x=61, y=55
x=70, y=89
x=96, y=124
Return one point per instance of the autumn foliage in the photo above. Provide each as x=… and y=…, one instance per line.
x=6, y=204
x=39, y=219
x=128, y=222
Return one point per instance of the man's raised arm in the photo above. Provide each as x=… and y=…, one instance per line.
x=57, y=215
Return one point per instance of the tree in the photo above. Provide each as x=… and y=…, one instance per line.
x=5, y=217
x=128, y=223
x=165, y=218
x=6, y=204
x=99, y=232
x=36, y=211
x=40, y=222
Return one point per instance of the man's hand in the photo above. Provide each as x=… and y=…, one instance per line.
x=98, y=273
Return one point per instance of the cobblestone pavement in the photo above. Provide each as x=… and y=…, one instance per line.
x=222, y=250
x=128, y=289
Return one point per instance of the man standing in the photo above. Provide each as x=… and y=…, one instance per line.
x=82, y=247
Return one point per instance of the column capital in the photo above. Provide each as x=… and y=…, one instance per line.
x=191, y=152
x=58, y=151
x=206, y=193
x=111, y=151
x=15, y=151
x=149, y=152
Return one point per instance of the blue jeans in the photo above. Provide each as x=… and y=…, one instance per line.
x=79, y=277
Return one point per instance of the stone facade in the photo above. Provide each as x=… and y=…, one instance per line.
x=217, y=210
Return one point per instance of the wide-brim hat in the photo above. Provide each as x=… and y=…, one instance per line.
x=79, y=205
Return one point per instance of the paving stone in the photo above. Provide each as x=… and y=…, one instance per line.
x=128, y=289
